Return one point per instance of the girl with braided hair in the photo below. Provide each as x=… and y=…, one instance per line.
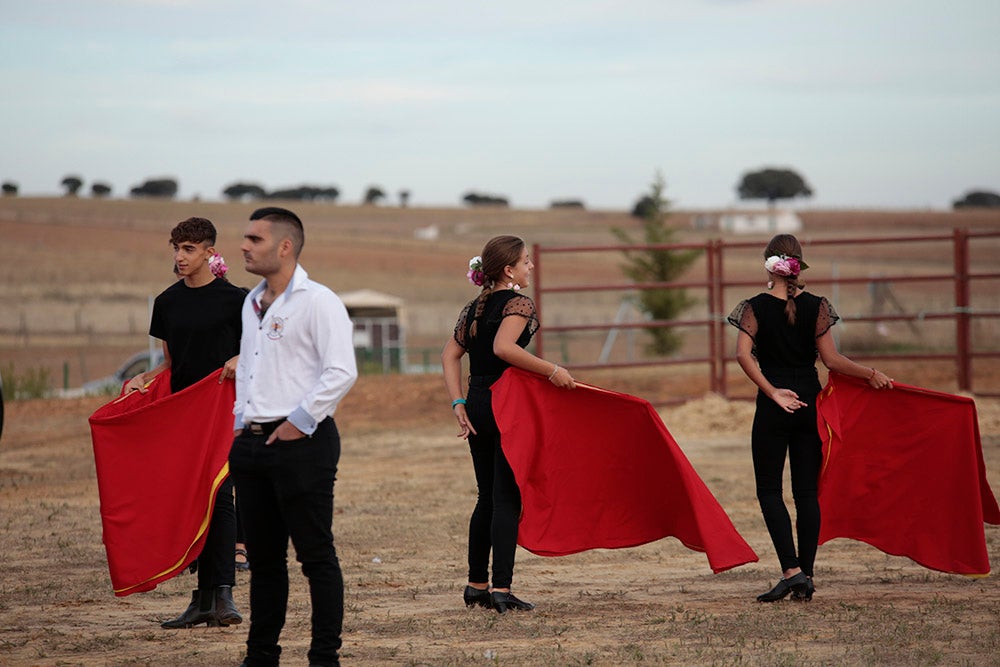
x=782, y=332
x=494, y=328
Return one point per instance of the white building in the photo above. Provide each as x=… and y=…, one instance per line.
x=769, y=221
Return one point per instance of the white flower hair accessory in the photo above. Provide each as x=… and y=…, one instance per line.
x=217, y=265
x=782, y=265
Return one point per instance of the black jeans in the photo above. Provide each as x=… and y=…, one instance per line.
x=493, y=525
x=217, y=562
x=774, y=433
x=286, y=490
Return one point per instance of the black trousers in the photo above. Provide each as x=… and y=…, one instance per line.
x=286, y=491
x=216, y=562
x=777, y=433
x=493, y=525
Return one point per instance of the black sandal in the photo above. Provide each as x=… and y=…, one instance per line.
x=243, y=565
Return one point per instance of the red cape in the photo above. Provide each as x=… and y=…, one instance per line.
x=903, y=471
x=160, y=459
x=598, y=469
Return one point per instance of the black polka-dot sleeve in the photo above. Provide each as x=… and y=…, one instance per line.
x=826, y=317
x=743, y=319
x=461, y=327
x=525, y=307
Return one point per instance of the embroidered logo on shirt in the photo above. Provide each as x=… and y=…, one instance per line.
x=276, y=329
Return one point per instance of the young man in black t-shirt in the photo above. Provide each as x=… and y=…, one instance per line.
x=199, y=323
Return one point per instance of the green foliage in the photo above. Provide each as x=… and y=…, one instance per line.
x=301, y=192
x=32, y=383
x=10, y=189
x=374, y=194
x=156, y=187
x=72, y=185
x=772, y=184
x=567, y=203
x=978, y=199
x=657, y=266
x=479, y=199
x=240, y=191
x=99, y=189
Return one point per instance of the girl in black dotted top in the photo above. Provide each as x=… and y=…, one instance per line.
x=782, y=331
x=494, y=328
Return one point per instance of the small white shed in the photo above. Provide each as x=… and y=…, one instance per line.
x=379, y=334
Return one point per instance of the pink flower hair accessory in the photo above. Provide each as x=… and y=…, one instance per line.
x=475, y=274
x=217, y=265
x=781, y=265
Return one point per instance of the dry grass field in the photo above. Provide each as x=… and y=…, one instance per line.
x=77, y=281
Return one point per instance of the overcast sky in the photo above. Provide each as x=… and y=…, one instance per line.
x=876, y=103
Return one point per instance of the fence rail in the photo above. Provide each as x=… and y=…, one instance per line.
x=966, y=285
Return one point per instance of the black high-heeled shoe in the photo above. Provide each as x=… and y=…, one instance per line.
x=799, y=583
x=502, y=601
x=807, y=594
x=476, y=596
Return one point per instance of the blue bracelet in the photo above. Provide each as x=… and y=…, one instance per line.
x=457, y=401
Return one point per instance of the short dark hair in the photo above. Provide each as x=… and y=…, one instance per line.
x=287, y=219
x=193, y=230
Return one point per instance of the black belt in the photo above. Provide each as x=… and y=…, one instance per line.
x=482, y=380
x=264, y=428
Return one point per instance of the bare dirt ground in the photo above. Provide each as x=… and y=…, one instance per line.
x=77, y=300
x=404, y=493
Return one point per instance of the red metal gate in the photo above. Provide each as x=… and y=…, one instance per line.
x=714, y=282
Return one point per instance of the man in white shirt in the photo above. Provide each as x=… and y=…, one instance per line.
x=296, y=364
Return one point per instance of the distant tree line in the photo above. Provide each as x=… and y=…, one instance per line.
x=567, y=203
x=770, y=183
x=479, y=199
x=241, y=191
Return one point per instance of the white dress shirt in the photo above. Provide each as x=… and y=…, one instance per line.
x=297, y=362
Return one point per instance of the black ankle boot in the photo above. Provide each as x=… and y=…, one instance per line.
x=807, y=594
x=504, y=601
x=225, y=608
x=194, y=614
x=799, y=583
x=477, y=596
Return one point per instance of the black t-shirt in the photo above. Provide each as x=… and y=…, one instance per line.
x=201, y=326
x=776, y=343
x=499, y=305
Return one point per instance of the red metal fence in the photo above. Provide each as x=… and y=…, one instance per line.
x=967, y=284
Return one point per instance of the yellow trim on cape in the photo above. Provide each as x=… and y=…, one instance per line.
x=222, y=474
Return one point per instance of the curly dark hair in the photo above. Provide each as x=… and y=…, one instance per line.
x=193, y=230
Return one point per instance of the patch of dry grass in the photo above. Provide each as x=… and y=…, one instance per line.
x=404, y=493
